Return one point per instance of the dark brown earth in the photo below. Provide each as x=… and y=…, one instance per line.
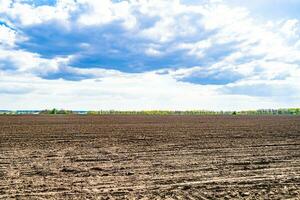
x=149, y=157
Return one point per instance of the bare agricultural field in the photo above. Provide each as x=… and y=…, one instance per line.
x=149, y=157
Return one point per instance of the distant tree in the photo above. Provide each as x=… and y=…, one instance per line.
x=53, y=111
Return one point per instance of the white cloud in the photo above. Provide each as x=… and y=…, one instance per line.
x=291, y=28
x=23, y=61
x=124, y=92
x=104, y=12
x=196, y=49
x=99, y=12
x=153, y=52
x=258, y=60
x=27, y=14
x=5, y=4
x=7, y=36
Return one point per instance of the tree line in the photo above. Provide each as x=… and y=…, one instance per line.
x=284, y=111
x=288, y=111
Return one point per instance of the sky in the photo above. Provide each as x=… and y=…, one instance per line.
x=149, y=54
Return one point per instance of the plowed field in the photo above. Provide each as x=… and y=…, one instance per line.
x=149, y=157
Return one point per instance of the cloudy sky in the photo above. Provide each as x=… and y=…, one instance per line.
x=155, y=54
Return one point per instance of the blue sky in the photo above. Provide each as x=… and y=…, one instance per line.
x=133, y=55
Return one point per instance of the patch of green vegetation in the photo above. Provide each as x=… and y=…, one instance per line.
x=55, y=111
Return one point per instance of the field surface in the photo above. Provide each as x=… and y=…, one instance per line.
x=149, y=157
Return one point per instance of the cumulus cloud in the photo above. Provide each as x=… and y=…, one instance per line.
x=123, y=92
x=149, y=51
x=7, y=36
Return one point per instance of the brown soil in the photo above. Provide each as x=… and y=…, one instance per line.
x=149, y=157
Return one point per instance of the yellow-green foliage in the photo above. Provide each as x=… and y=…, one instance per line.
x=290, y=111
